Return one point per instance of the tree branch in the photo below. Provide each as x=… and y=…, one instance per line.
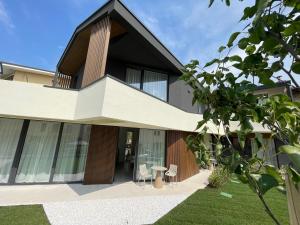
x=290, y=75
x=285, y=45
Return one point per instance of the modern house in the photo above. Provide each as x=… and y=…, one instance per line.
x=115, y=103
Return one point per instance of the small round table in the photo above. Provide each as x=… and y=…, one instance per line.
x=158, y=179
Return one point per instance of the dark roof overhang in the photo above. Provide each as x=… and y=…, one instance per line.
x=114, y=8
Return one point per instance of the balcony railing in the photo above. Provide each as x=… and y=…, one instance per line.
x=61, y=80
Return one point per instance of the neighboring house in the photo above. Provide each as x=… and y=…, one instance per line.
x=282, y=87
x=116, y=103
x=14, y=72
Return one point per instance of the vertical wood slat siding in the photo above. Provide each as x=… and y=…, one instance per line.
x=97, y=51
x=100, y=164
x=178, y=154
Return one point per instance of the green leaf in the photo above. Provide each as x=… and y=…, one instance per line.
x=232, y=38
x=250, y=49
x=227, y=2
x=265, y=182
x=254, y=37
x=265, y=78
x=271, y=170
x=210, y=3
x=296, y=67
x=243, y=43
x=212, y=62
x=249, y=12
x=269, y=43
x=200, y=124
x=221, y=49
x=235, y=58
x=292, y=29
x=276, y=66
x=292, y=152
x=294, y=175
x=261, y=5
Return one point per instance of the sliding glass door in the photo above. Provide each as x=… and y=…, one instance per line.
x=38, y=152
x=72, y=153
x=151, y=149
x=10, y=130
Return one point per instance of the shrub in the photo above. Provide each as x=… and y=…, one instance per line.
x=219, y=177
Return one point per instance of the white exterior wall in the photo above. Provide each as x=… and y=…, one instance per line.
x=106, y=102
x=27, y=100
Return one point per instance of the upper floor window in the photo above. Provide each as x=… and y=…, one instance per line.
x=133, y=77
x=154, y=83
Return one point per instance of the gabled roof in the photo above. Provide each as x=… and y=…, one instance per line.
x=12, y=66
x=115, y=8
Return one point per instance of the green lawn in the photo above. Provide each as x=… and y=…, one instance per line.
x=205, y=207
x=208, y=207
x=23, y=215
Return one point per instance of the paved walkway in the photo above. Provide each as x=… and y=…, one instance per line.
x=133, y=211
x=116, y=204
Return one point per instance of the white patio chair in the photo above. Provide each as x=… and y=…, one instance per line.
x=172, y=172
x=144, y=174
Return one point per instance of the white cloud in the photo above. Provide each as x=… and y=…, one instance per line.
x=5, y=19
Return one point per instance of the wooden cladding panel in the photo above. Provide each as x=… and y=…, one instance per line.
x=100, y=164
x=76, y=55
x=180, y=155
x=97, y=51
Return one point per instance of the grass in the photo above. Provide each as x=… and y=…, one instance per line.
x=208, y=207
x=23, y=215
x=205, y=207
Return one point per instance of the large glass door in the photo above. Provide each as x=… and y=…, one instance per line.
x=151, y=149
x=10, y=130
x=72, y=153
x=38, y=152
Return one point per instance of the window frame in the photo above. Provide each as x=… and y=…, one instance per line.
x=143, y=69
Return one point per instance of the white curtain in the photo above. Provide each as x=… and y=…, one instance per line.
x=72, y=153
x=155, y=84
x=151, y=149
x=10, y=130
x=38, y=152
x=133, y=77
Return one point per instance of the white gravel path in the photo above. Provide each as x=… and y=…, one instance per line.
x=120, y=211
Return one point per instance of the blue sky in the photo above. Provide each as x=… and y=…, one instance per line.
x=35, y=33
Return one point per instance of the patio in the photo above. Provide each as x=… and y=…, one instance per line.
x=119, y=203
x=40, y=194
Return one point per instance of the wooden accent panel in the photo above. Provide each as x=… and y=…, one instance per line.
x=97, y=51
x=180, y=155
x=100, y=164
x=76, y=54
x=116, y=29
